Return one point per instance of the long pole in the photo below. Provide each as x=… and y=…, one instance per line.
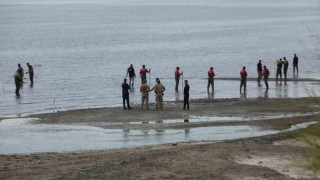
x=149, y=78
x=182, y=83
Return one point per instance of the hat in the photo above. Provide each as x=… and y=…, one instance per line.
x=145, y=80
x=157, y=79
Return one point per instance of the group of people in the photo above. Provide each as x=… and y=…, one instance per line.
x=19, y=75
x=159, y=88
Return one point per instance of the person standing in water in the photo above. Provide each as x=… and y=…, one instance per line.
x=158, y=90
x=259, y=71
x=143, y=73
x=144, y=89
x=266, y=74
x=31, y=73
x=177, y=75
x=243, y=74
x=211, y=76
x=285, y=68
x=132, y=75
x=17, y=80
x=186, y=95
x=295, y=63
x=21, y=72
x=125, y=94
x=279, y=69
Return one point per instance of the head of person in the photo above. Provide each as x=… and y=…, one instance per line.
x=259, y=61
x=264, y=67
x=28, y=64
x=19, y=65
x=244, y=68
x=177, y=68
x=211, y=68
x=186, y=82
x=157, y=80
x=125, y=80
x=143, y=66
x=131, y=65
x=145, y=81
x=280, y=59
x=295, y=54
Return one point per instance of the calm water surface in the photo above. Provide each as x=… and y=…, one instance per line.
x=81, y=49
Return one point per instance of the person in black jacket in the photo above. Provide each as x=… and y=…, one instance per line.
x=295, y=63
x=186, y=95
x=125, y=94
x=259, y=70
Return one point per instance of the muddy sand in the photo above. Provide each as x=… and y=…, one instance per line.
x=278, y=156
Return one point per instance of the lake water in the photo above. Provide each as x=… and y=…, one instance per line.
x=81, y=49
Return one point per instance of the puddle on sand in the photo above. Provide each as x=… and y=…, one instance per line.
x=19, y=136
x=200, y=119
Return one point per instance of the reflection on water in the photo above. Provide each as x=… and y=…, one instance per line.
x=20, y=136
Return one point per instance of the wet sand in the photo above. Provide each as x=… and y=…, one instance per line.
x=247, y=158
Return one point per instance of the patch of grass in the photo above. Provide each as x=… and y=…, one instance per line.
x=312, y=138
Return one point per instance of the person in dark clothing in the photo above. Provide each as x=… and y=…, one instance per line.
x=132, y=75
x=295, y=63
x=285, y=68
x=259, y=70
x=211, y=76
x=125, y=93
x=31, y=73
x=243, y=74
x=186, y=95
x=279, y=69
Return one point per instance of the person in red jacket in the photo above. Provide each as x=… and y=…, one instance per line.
x=211, y=76
x=266, y=74
x=243, y=74
x=177, y=75
x=143, y=73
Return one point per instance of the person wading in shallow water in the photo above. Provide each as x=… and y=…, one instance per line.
x=279, y=69
x=285, y=68
x=159, y=89
x=21, y=72
x=31, y=73
x=125, y=94
x=144, y=89
x=243, y=74
x=211, y=76
x=259, y=71
x=132, y=75
x=17, y=80
x=186, y=95
x=143, y=73
x=266, y=74
x=177, y=75
x=295, y=63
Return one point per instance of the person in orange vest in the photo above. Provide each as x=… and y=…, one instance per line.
x=143, y=73
x=243, y=74
x=177, y=75
x=211, y=76
x=266, y=74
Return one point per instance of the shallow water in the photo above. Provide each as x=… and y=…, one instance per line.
x=21, y=136
x=81, y=49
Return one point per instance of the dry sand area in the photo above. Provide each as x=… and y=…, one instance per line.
x=277, y=156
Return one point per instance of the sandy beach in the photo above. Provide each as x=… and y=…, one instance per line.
x=277, y=156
